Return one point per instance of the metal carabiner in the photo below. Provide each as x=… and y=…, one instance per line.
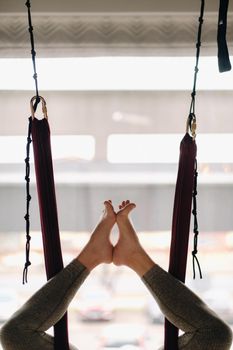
x=44, y=108
x=191, y=126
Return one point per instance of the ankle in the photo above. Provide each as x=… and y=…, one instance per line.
x=88, y=258
x=140, y=262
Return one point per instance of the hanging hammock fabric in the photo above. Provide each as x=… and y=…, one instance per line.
x=186, y=190
x=181, y=224
x=48, y=214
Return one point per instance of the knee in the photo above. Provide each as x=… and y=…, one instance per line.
x=227, y=332
x=9, y=334
x=223, y=335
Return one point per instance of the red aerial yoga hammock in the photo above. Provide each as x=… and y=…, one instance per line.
x=181, y=224
x=186, y=185
x=48, y=214
x=40, y=132
x=186, y=191
x=48, y=210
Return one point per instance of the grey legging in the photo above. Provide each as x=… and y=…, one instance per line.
x=25, y=330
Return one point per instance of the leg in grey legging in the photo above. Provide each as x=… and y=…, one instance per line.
x=25, y=330
x=203, y=328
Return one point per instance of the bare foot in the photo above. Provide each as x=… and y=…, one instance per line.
x=99, y=248
x=128, y=251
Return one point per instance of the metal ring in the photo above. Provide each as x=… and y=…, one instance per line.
x=44, y=108
x=191, y=129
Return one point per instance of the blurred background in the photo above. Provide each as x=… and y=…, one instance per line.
x=117, y=78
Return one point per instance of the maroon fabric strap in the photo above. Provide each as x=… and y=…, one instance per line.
x=181, y=225
x=48, y=215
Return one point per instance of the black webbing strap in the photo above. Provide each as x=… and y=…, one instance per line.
x=29, y=140
x=192, y=125
x=224, y=63
x=33, y=53
x=28, y=199
x=198, y=48
x=195, y=228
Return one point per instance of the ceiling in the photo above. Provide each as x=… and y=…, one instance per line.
x=108, y=6
x=107, y=27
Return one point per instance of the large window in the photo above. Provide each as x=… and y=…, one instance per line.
x=163, y=148
x=113, y=140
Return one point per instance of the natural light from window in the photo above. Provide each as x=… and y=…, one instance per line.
x=164, y=148
x=64, y=147
x=113, y=73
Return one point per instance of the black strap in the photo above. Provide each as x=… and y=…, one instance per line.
x=33, y=53
x=28, y=199
x=29, y=140
x=224, y=63
x=195, y=229
x=192, y=119
x=196, y=69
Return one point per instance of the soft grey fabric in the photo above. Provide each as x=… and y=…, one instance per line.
x=203, y=329
x=25, y=330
